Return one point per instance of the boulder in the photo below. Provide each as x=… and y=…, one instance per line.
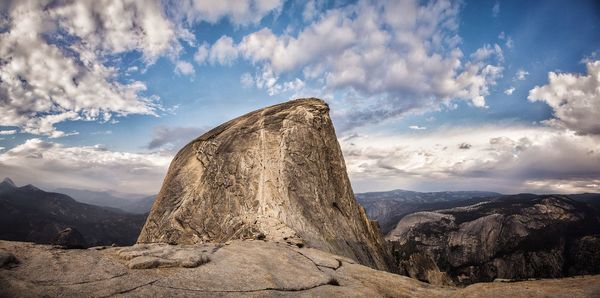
x=276, y=174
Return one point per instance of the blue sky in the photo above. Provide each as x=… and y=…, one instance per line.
x=425, y=95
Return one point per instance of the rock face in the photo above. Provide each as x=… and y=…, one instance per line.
x=276, y=174
x=240, y=269
x=514, y=237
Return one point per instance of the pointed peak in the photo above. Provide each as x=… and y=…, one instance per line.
x=29, y=187
x=8, y=182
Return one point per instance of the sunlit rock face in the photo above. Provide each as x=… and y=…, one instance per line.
x=276, y=174
x=512, y=237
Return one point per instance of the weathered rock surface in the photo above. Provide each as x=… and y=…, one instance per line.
x=514, y=237
x=276, y=174
x=145, y=256
x=241, y=268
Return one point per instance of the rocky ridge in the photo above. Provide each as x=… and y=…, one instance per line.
x=28, y=213
x=514, y=237
x=388, y=207
x=276, y=174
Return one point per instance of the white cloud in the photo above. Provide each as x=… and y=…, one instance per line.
x=223, y=51
x=55, y=58
x=521, y=74
x=132, y=69
x=565, y=186
x=500, y=158
x=310, y=10
x=8, y=132
x=184, y=68
x=201, y=54
x=48, y=164
x=488, y=51
x=237, y=12
x=574, y=98
x=118, y=26
x=510, y=43
x=509, y=91
x=247, y=80
x=496, y=9
x=416, y=127
x=409, y=63
x=44, y=83
x=294, y=85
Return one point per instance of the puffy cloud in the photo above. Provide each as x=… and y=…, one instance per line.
x=407, y=63
x=238, y=12
x=47, y=80
x=500, y=158
x=118, y=26
x=488, y=51
x=184, y=68
x=509, y=91
x=310, y=10
x=173, y=138
x=201, y=54
x=8, y=132
x=48, y=164
x=268, y=80
x=416, y=127
x=574, y=98
x=223, y=51
x=247, y=80
x=521, y=74
x=56, y=56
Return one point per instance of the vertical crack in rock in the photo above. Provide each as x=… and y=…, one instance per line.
x=277, y=172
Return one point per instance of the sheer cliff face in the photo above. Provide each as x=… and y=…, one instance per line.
x=276, y=173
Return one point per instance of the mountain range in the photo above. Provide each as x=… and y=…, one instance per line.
x=132, y=204
x=30, y=214
x=388, y=207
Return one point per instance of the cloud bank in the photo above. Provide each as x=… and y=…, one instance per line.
x=57, y=57
x=405, y=64
x=52, y=165
x=499, y=158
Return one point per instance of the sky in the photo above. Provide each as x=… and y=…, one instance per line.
x=424, y=95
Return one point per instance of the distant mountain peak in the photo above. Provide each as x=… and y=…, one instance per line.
x=7, y=181
x=29, y=187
